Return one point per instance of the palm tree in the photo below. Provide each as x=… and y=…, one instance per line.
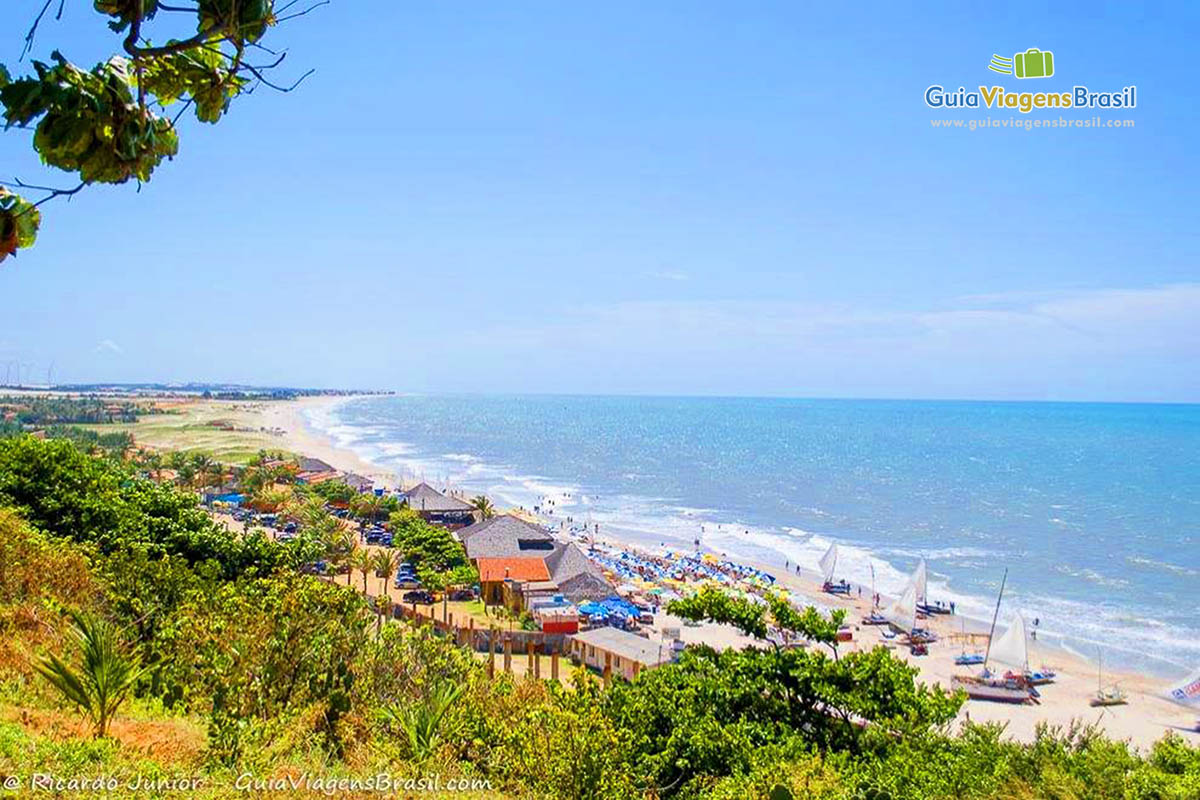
x=105, y=675
x=311, y=513
x=259, y=477
x=338, y=545
x=383, y=605
x=483, y=506
x=185, y=475
x=153, y=462
x=270, y=500
x=366, y=506
x=201, y=464
x=421, y=720
x=215, y=473
x=360, y=559
x=386, y=564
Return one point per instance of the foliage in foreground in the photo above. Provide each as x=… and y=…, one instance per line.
x=272, y=672
x=109, y=123
x=105, y=675
x=102, y=504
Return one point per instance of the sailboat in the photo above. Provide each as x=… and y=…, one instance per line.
x=1106, y=695
x=920, y=579
x=874, y=618
x=902, y=613
x=965, y=659
x=1011, y=649
x=1040, y=677
x=828, y=565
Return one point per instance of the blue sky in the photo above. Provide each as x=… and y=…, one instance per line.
x=670, y=198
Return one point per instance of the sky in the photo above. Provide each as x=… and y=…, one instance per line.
x=651, y=198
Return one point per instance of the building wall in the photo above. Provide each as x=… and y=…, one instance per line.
x=593, y=657
x=492, y=592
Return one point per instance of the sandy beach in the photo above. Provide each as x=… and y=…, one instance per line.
x=1146, y=718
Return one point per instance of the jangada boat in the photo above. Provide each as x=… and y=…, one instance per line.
x=922, y=636
x=901, y=616
x=1040, y=677
x=874, y=618
x=966, y=659
x=1111, y=696
x=1013, y=689
x=828, y=565
x=1106, y=696
x=1011, y=649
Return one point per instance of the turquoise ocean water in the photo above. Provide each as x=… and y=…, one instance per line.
x=1093, y=508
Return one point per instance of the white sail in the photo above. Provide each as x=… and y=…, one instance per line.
x=903, y=612
x=829, y=562
x=919, y=579
x=1188, y=692
x=1012, y=648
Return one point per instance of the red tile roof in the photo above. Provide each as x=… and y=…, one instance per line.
x=519, y=569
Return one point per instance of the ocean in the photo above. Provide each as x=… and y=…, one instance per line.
x=1094, y=509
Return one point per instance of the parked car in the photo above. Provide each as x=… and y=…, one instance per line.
x=462, y=594
x=407, y=581
x=289, y=528
x=419, y=596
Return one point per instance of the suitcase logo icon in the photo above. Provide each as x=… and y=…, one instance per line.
x=1033, y=63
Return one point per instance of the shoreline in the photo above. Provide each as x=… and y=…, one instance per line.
x=1146, y=718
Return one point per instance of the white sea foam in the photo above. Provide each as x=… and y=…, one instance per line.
x=1116, y=632
x=1125, y=634
x=1166, y=566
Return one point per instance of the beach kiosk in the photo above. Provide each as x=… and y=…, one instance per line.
x=625, y=654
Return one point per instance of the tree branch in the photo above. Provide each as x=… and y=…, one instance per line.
x=17, y=183
x=266, y=82
x=311, y=8
x=200, y=39
x=33, y=28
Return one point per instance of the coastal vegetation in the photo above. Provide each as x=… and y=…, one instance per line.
x=39, y=410
x=232, y=657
